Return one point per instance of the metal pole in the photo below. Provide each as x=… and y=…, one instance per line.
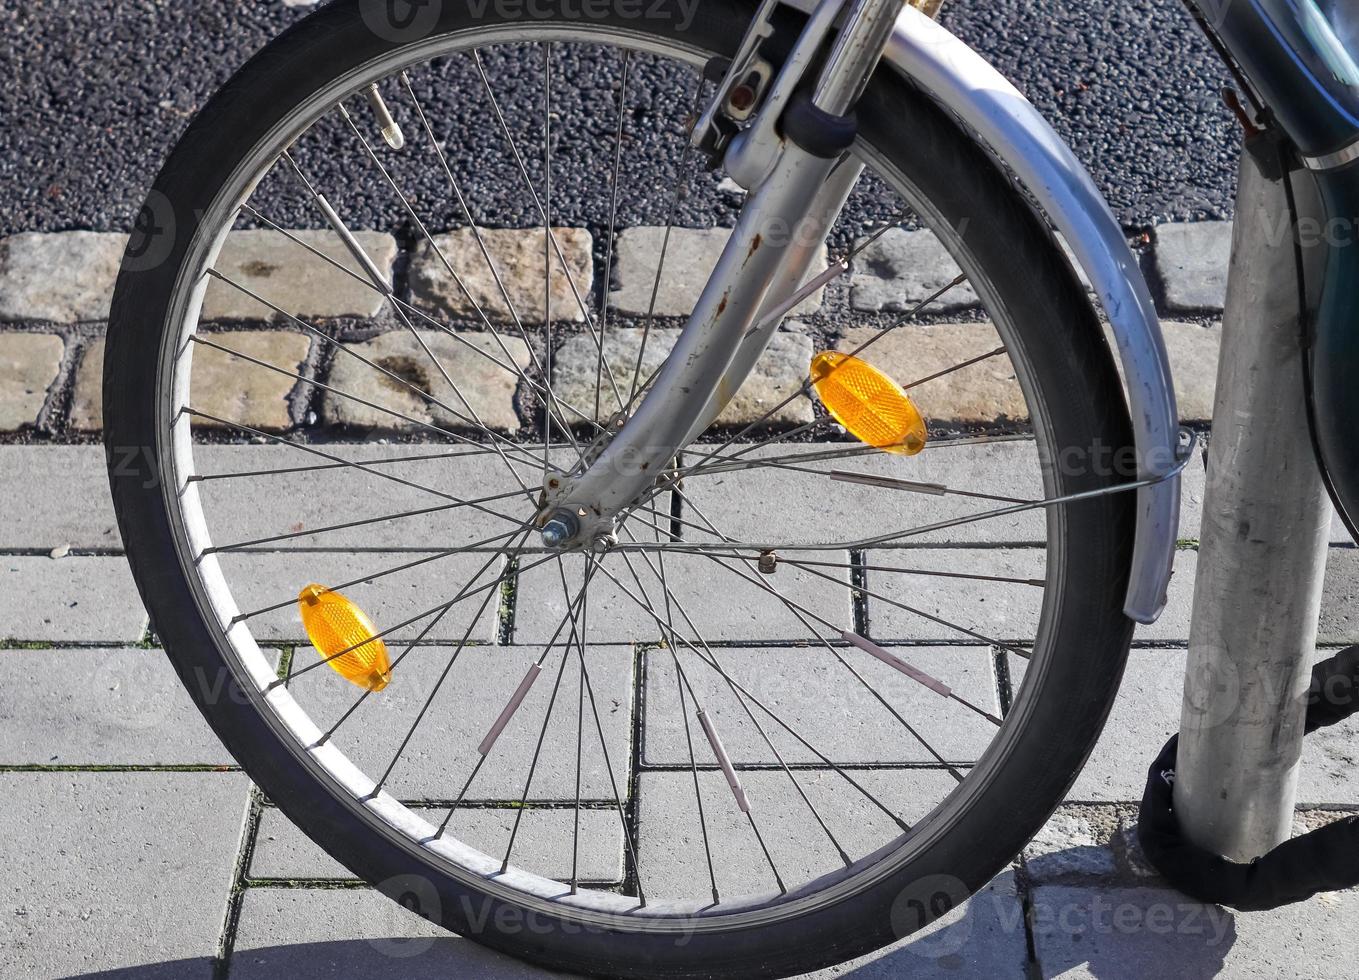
x=1262, y=553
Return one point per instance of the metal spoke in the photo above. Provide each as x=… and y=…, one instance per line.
x=486, y=256
x=200, y=339
x=337, y=460
x=613, y=222
x=706, y=656
x=462, y=644
x=504, y=575
x=538, y=203
x=364, y=522
x=805, y=387
x=473, y=419
x=443, y=328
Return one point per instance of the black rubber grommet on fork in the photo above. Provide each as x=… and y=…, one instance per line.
x=1326, y=859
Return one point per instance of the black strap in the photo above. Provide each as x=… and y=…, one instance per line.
x=1325, y=859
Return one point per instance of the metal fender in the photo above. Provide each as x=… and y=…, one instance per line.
x=986, y=103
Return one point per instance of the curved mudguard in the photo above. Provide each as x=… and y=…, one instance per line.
x=974, y=91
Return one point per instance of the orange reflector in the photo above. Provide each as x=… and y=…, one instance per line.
x=337, y=626
x=870, y=405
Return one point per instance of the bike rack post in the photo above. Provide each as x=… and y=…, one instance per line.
x=1262, y=553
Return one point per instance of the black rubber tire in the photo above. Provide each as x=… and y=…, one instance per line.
x=1075, y=380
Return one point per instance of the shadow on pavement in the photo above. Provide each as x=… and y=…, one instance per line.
x=409, y=959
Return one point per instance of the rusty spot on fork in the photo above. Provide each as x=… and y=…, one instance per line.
x=722, y=305
x=755, y=243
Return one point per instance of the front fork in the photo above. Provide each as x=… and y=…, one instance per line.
x=799, y=178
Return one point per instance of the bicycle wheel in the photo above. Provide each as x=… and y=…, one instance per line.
x=816, y=694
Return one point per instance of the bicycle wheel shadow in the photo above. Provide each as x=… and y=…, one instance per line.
x=410, y=959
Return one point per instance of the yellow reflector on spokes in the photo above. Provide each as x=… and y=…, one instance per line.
x=871, y=406
x=337, y=626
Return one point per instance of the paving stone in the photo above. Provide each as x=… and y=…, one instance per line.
x=487, y=385
x=984, y=392
x=1070, y=845
x=283, y=272
x=519, y=259
x=318, y=933
x=543, y=845
x=57, y=495
x=1193, y=351
x=440, y=755
x=722, y=605
x=66, y=277
x=902, y=269
x=983, y=937
x=819, y=697
x=1192, y=260
x=1340, y=598
x=113, y=872
x=102, y=707
x=778, y=373
x=28, y=365
x=262, y=579
x=72, y=598
x=1125, y=933
x=996, y=610
x=223, y=385
x=671, y=854
x=690, y=257
x=761, y=504
x=288, y=502
x=1147, y=712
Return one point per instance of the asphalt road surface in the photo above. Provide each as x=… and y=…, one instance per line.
x=95, y=92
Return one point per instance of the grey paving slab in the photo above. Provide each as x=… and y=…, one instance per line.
x=541, y=603
x=72, y=598
x=1192, y=260
x=113, y=872
x=329, y=934
x=995, y=610
x=292, y=278
x=284, y=503
x=777, y=375
x=902, y=269
x=671, y=855
x=86, y=266
x=819, y=697
x=721, y=604
x=101, y=707
x=690, y=256
x=28, y=365
x=1340, y=597
x=441, y=753
x=1147, y=712
x=543, y=845
x=1140, y=932
x=56, y=495
x=982, y=937
x=518, y=258
x=224, y=385
x=763, y=504
x=259, y=580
